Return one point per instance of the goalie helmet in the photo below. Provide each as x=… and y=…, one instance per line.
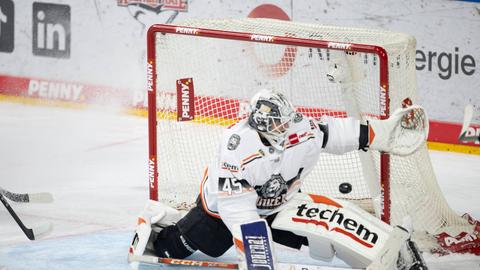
x=270, y=114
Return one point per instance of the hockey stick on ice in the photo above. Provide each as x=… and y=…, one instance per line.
x=169, y=261
x=467, y=118
x=33, y=233
x=42, y=197
x=222, y=265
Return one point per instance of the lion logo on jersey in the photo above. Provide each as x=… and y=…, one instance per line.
x=273, y=193
x=273, y=187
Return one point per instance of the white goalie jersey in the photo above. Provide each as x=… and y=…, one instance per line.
x=250, y=179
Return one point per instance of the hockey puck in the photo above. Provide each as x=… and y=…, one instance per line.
x=345, y=188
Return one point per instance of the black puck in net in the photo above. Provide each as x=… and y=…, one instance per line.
x=345, y=188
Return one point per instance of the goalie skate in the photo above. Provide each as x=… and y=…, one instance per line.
x=410, y=257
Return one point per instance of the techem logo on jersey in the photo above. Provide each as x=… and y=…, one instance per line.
x=185, y=100
x=51, y=30
x=229, y=167
x=148, y=12
x=7, y=20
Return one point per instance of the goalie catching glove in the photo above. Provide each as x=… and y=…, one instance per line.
x=402, y=133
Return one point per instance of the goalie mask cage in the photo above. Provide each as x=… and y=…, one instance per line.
x=323, y=70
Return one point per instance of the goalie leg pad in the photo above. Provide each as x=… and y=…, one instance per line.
x=286, y=238
x=334, y=226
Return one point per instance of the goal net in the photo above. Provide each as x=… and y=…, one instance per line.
x=202, y=73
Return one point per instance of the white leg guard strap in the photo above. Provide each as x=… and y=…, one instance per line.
x=320, y=248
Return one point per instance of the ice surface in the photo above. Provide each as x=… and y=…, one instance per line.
x=95, y=163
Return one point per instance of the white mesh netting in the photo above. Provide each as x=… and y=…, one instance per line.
x=226, y=73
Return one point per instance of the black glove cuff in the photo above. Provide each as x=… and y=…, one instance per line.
x=363, y=138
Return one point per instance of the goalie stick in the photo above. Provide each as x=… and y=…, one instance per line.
x=32, y=233
x=221, y=265
x=42, y=197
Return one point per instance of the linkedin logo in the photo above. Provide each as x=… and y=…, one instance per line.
x=6, y=25
x=51, y=30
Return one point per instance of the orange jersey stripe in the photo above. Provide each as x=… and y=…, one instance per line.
x=202, y=197
x=239, y=244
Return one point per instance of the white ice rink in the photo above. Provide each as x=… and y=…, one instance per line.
x=95, y=163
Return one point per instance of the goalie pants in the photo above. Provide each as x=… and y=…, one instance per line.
x=200, y=231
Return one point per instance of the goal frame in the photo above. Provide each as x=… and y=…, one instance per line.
x=261, y=38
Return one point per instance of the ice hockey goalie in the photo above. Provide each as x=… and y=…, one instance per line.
x=252, y=194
